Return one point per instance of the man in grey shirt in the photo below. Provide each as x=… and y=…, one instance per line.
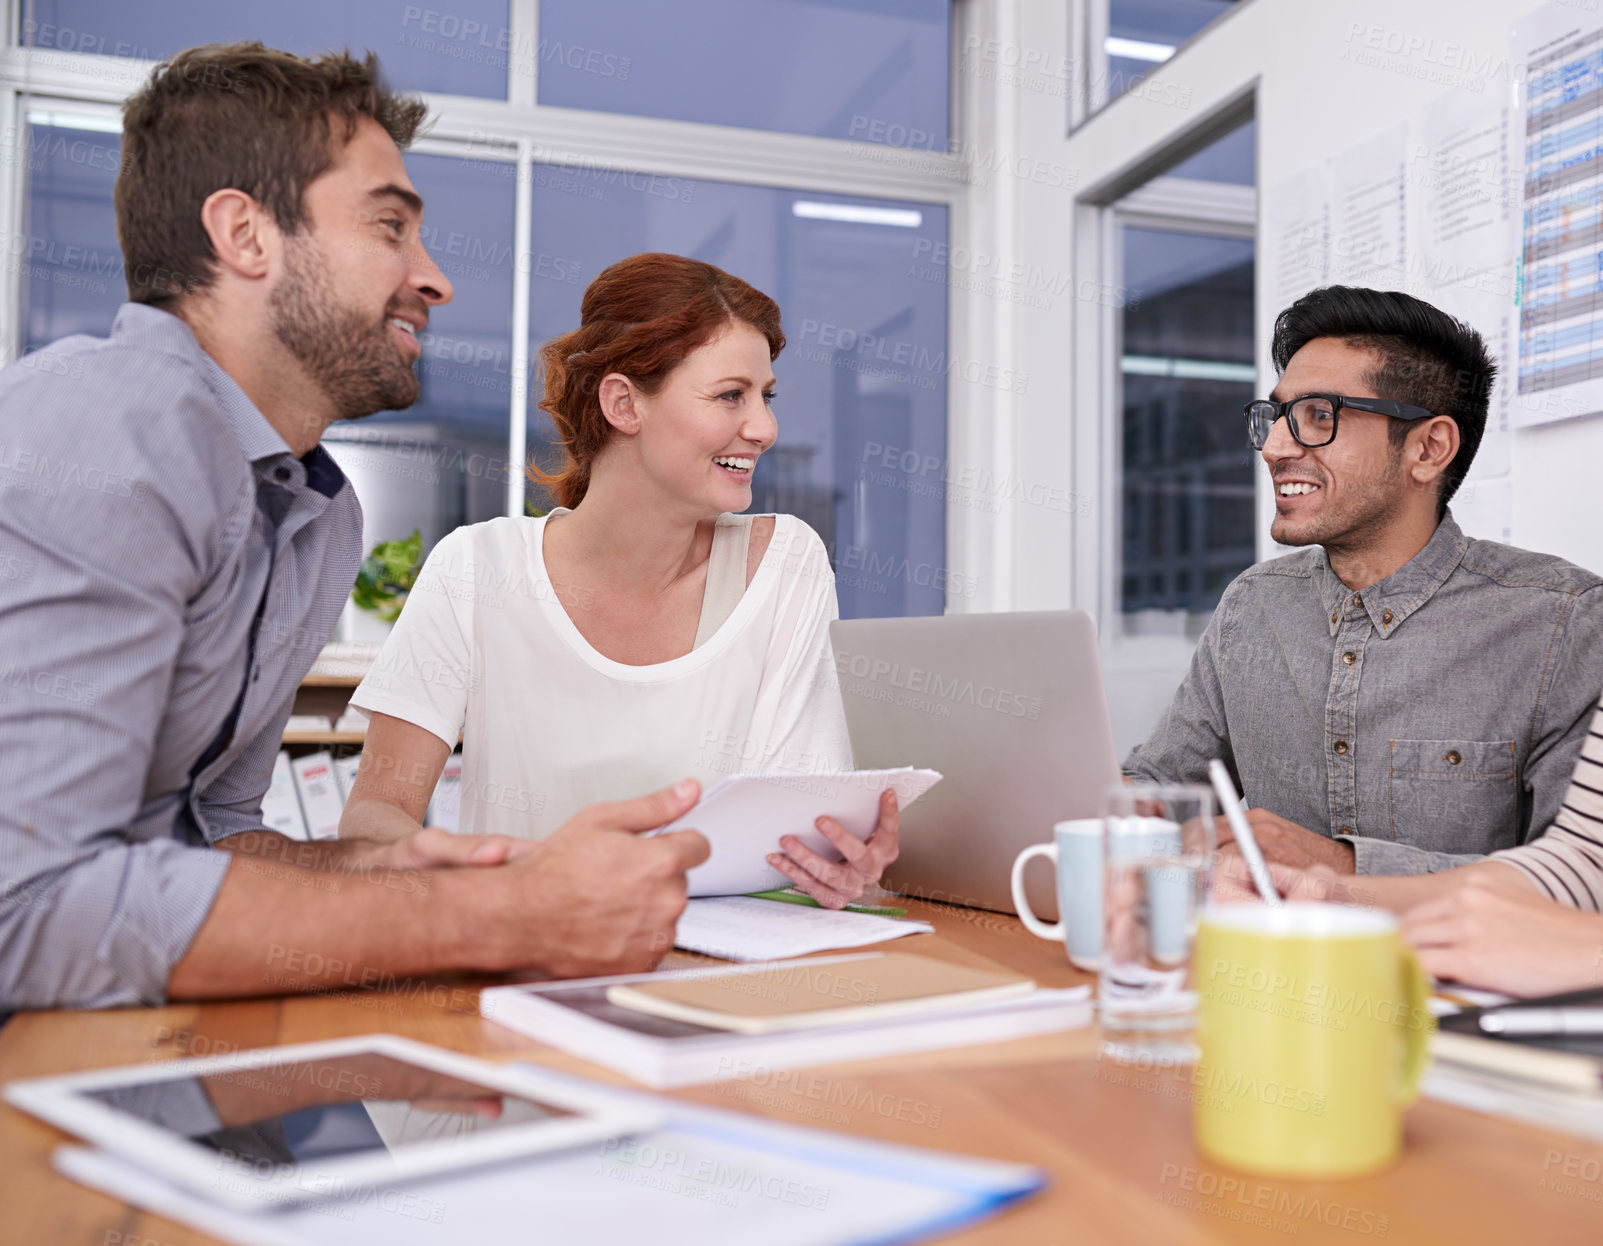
x=174, y=549
x=1398, y=698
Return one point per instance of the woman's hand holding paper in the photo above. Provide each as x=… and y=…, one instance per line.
x=835, y=884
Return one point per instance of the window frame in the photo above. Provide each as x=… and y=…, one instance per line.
x=1089, y=26
x=1180, y=205
x=522, y=131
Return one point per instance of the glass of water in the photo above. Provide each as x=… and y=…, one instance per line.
x=1157, y=857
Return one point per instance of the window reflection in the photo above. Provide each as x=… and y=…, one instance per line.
x=874, y=71
x=461, y=48
x=1187, y=370
x=67, y=258
x=1142, y=34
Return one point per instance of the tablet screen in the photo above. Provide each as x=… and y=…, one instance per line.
x=317, y=1110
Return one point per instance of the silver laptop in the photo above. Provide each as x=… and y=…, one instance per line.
x=1010, y=709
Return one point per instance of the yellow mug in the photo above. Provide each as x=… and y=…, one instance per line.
x=1314, y=1025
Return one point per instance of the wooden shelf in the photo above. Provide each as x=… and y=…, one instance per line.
x=324, y=737
x=331, y=681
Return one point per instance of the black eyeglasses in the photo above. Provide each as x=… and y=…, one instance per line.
x=1312, y=418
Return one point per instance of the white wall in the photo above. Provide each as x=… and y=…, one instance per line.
x=1323, y=79
x=1328, y=78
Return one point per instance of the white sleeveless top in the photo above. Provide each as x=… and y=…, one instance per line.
x=484, y=649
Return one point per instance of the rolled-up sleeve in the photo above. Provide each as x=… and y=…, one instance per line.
x=96, y=902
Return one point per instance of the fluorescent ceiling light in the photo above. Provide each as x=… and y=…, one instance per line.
x=906, y=218
x=1188, y=369
x=1137, y=49
x=75, y=121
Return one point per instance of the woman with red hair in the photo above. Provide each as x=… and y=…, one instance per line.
x=643, y=631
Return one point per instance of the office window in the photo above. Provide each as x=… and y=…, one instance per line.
x=68, y=261
x=1186, y=368
x=1140, y=35
x=1229, y=160
x=463, y=48
x=876, y=71
x=862, y=382
x=862, y=281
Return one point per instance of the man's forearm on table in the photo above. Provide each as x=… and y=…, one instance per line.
x=340, y=856
x=279, y=927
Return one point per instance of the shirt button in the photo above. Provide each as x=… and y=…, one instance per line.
x=1346, y=830
x=1335, y=616
x=1349, y=658
x=1358, y=599
x=282, y=475
x=1385, y=616
x=1341, y=748
x=1452, y=757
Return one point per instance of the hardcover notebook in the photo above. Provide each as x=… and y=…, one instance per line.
x=577, y=1016
x=1573, y=1061
x=809, y=995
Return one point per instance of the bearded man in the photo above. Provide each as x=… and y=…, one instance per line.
x=160, y=606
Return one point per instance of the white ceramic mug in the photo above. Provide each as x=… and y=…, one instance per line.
x=1076, y=855
x=1077, y=852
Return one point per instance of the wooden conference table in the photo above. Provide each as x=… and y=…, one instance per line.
x=1115, y=1142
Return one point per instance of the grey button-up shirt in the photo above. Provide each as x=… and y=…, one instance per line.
x=1431, y=719
x=168, y=573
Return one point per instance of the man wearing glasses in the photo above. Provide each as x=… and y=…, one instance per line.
x=1397, y=698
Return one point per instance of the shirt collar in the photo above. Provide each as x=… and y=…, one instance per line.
x=265, y=449
x=1390, y=601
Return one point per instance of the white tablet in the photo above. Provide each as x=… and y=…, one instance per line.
x=321, y=1120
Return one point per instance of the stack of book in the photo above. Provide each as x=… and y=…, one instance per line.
x=1533, y=1060
x=682, y=1027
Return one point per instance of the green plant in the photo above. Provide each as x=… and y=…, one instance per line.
x=387, y=576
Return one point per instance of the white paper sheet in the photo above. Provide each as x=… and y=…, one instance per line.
x=1543, y=1106
x=1485, y=302
x=1468, y=193
x=1297, y=235
x=1368, y=221
x=1484, y=509
x=744, y=816
x=743, y=928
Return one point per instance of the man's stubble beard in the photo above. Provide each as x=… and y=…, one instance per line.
x=1364, y=518
x=351, y=359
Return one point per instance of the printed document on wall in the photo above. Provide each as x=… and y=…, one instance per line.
x=1484, y=509
x=1297, y=233
x=1492, y=315
x=1369, y=213
x=1560, y=131
x=1468, y=189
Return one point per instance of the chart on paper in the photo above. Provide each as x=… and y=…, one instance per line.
x=1561, y=303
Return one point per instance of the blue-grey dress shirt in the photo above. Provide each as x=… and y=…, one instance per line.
x=168, y=572
x=1431, y=719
